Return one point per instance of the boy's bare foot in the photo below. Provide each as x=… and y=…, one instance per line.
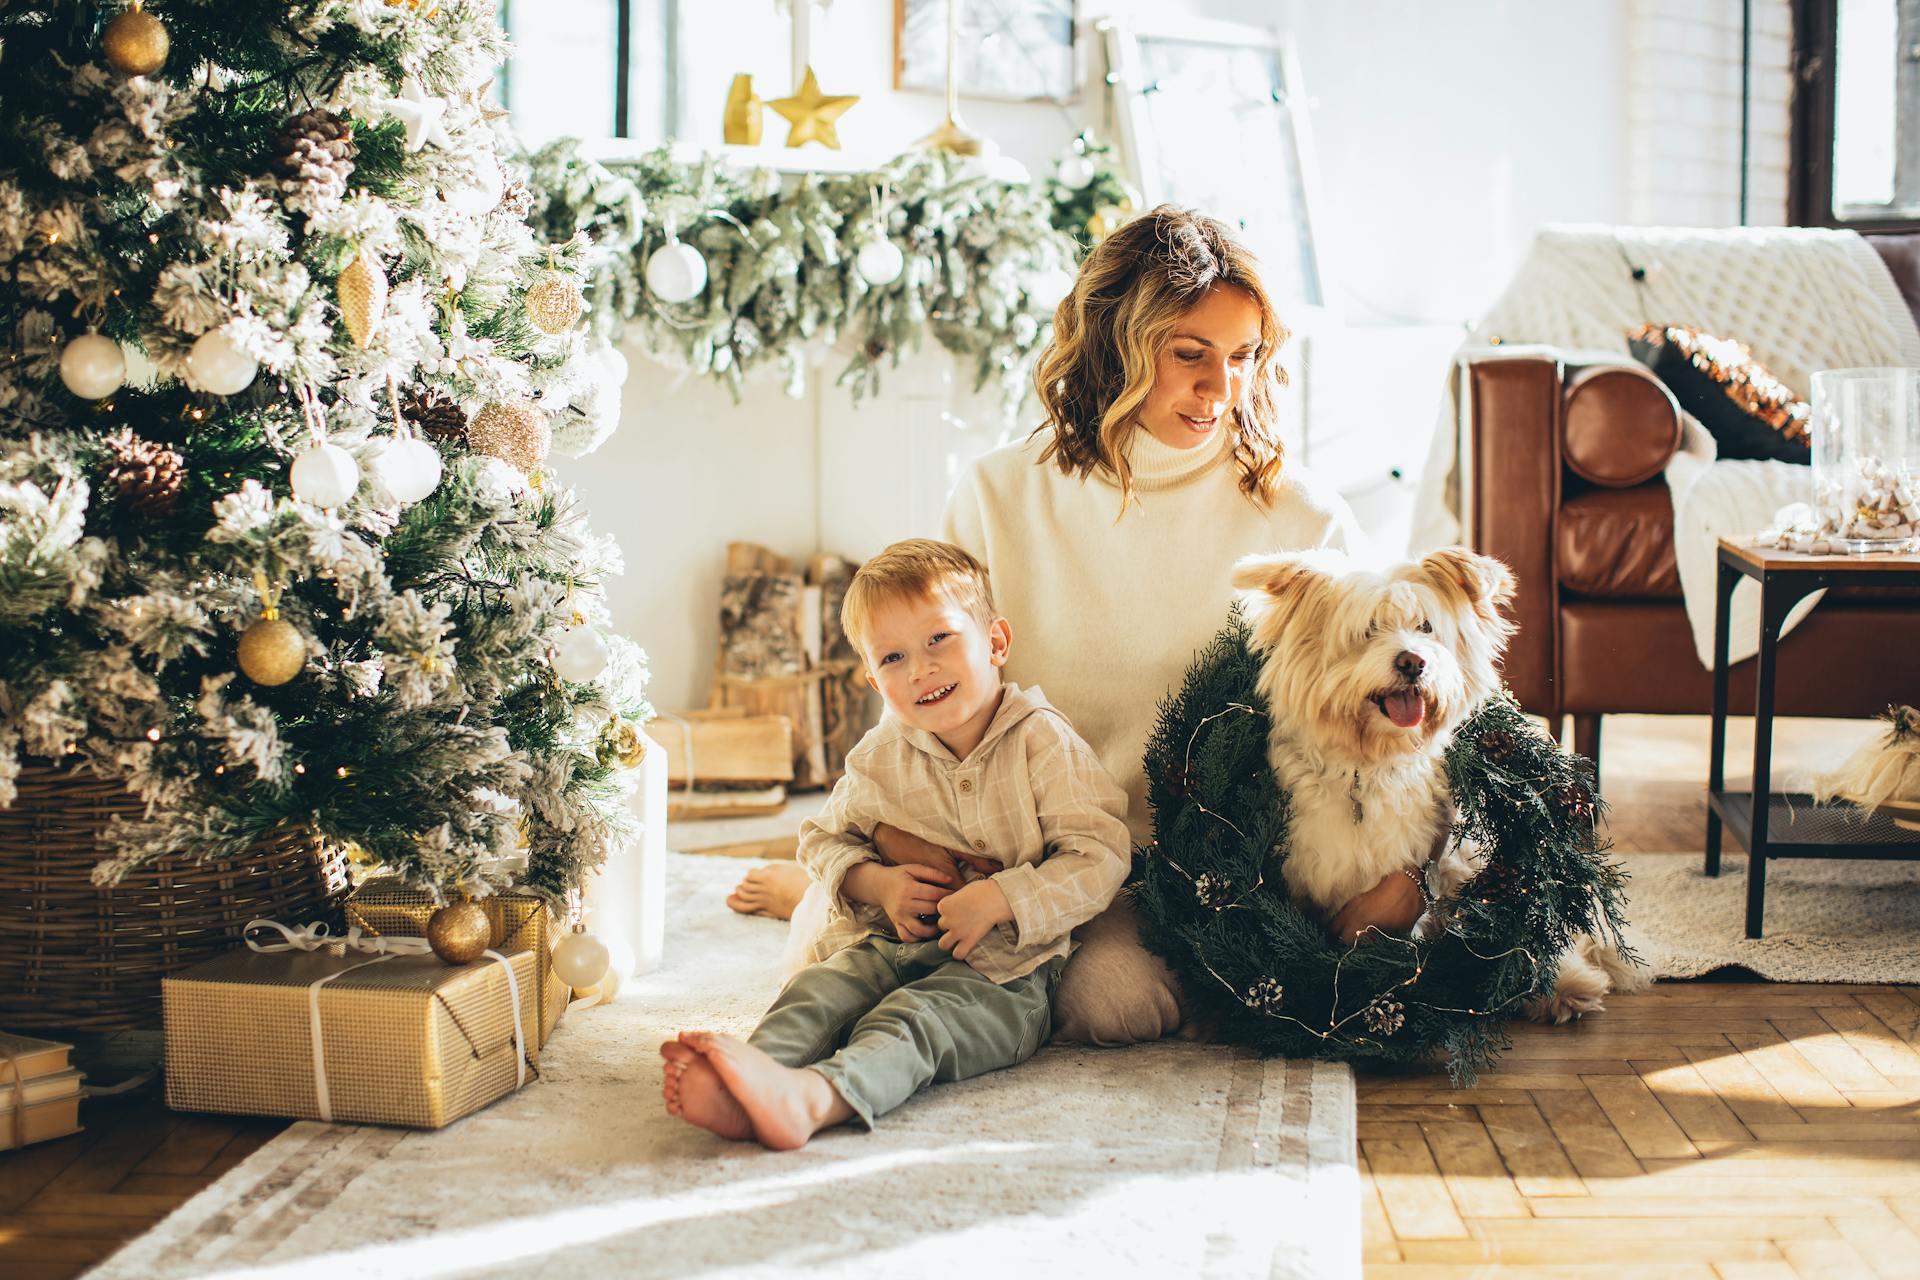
x=773, y=890
x=694, y=1092
x=786, y=1105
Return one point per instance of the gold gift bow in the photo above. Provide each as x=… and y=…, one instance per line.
x=314, y=937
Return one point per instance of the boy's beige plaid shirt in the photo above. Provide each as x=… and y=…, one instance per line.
x=1032, y=796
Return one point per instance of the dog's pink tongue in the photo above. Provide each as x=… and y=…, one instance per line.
x=1405, y=708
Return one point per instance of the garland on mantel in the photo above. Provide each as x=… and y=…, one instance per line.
x=982, y=263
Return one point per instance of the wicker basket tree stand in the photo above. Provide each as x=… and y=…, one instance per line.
x=76, y=957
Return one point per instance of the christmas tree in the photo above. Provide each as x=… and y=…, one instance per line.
x=278, y=541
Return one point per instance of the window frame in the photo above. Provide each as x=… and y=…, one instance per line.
x=1816, y=33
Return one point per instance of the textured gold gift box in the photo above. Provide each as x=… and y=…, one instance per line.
x=407, y=1040
x=389, y=909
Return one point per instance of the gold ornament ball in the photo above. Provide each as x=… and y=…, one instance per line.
x=553, y=304
x=136, y=43
x=516, y=432
x=621, y=745
x=459, y=933
x=272, y=651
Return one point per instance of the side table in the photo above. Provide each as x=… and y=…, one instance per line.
x=1789, y=825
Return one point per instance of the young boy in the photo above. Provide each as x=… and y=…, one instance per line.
x=914, y=981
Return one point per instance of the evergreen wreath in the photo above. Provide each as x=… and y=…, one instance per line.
x=1265, y=974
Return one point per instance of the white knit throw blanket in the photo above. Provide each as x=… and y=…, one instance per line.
x=1803, y=299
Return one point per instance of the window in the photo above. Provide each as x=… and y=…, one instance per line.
x=589, y=68
x=1856, y=114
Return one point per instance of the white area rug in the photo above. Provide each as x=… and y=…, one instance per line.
x=1826, y=921
x=1171, y=1159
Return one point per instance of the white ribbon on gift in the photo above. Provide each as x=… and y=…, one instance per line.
x=315, y=937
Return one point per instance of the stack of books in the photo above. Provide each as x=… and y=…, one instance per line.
x=39, y=1091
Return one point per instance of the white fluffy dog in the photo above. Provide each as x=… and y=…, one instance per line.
x=1367, y=675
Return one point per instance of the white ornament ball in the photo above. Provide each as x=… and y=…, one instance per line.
x=408, y=468
x=92, y=366
x=1077, y=171
x=1048, y=289
x=217, y=364
x=325, y=475
x=480, y=194
x=581, y=655
x=615, y=365
x=879, y=262
x=676, y=272
x=581, y=959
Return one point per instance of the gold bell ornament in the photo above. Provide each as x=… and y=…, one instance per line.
x=460, y=932
x=272, y=651
x=136, y=42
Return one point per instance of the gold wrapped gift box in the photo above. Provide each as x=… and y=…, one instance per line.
x=405, y=1039
x=389, y=909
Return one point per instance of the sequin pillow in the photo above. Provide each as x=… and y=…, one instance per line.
x=1749, y=411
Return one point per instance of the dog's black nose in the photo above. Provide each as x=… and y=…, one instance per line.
x=1409, y=665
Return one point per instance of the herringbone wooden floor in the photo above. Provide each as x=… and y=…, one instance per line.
x=1711, y=1129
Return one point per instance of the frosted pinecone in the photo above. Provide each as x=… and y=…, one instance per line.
x=1385, y=1016
x=1212, y=890
x=145, y=477
x=437, y=417
x=1265, y=996
x=316, y=151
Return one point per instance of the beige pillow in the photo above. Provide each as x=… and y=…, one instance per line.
x=1114, y=991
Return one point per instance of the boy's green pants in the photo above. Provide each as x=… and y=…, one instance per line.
x=883, y=1019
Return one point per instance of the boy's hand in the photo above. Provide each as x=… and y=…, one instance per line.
x=968, y=915
x=899, y=848
x=905, y=893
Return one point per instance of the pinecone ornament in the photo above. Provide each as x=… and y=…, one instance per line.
x=1574, y=803
x=1265, y=996
x=437, y=417
x=145, y=477
x=517, y=200
x=1497, y=746
x=1212, y=890
x=316, y=152
x=1385, y=1016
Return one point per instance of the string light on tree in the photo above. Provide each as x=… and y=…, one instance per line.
x=93, y=367
x=216, y=363
x=676, y=272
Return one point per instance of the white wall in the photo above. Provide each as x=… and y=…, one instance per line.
x=1447, y=134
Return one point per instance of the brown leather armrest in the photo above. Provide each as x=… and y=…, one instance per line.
x=1513, y=469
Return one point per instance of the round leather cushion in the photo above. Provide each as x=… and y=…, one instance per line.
x=1622, y=425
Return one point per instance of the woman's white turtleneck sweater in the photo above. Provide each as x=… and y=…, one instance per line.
x=1108, y=610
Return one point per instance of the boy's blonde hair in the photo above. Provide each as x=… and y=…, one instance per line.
x=1129, y=298
x=918, y=568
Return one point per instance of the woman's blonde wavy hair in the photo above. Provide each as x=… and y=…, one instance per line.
x=1108, y=333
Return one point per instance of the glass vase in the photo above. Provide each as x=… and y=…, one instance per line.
x=1866, y=459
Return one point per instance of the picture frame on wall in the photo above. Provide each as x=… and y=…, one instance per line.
x=1006, y=50
x=1213, y=116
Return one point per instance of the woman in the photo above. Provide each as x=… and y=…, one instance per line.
x=1110, y=533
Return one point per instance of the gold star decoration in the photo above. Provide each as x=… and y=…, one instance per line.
x=811, y=114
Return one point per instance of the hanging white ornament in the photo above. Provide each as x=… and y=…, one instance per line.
x=1049, y=288
x=676, y=272
x=879, y=262
x=408, y=468
x=92, y=366
x=217, y=364
x=1077, y=171
x=615, y=365
x=324, y=474
x=481, y=194
x=580, y=959
x=580, y=655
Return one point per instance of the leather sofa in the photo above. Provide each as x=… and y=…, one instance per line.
x=1562, y=480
